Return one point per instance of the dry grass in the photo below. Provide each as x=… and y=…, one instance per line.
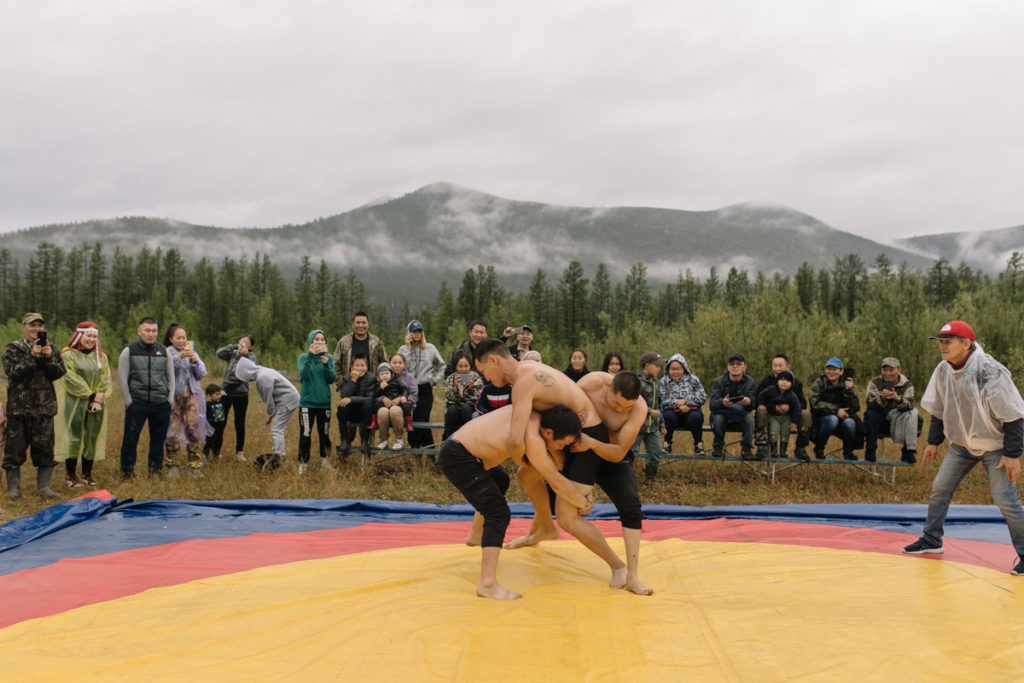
x=679, y=483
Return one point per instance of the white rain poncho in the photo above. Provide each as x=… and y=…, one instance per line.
x=974, y=402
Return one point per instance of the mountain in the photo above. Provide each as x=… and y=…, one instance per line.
x=403, y=248
x=988, y=250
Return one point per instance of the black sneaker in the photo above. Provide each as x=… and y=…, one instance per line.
x=762, y=452
x=801, y=455
x=699, y=449
x=1019, y=569
x=747, y=453
x=819, y=453
x=909, y=456
x=718, y=452
x=923, y=547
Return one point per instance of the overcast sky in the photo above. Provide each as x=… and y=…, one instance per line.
x=885, y=119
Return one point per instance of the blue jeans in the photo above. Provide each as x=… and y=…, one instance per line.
x=955, y=466
x=846, y=429
x=734, y=414
x=135, y=416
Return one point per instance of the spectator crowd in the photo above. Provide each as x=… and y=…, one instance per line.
x=385, y=401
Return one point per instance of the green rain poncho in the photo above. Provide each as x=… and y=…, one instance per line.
x=78, y=432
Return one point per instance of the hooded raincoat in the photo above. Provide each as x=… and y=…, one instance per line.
x=79, y=433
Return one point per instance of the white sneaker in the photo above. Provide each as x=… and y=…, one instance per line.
x=397, y=445
x=325, y=464
x=381, y=445
x=302, y=468
x=240, y=456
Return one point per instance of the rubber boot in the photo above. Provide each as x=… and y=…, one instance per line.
x=364, y=440
x=44, y=475
x=195, y=460
x=87, y=472
x=14, y=484
x=775, y=451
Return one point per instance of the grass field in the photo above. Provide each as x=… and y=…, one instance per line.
x=409, y=479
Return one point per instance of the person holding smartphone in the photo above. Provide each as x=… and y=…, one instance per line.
x=32, y=365
x=462, y=388
x=890, y=399
x=188, y=427
x=834, y=407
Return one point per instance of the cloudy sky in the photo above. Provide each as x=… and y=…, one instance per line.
x=886, y=119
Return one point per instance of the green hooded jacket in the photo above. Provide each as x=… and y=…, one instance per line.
x=316, y=376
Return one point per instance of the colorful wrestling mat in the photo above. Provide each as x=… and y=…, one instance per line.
x=382, y=591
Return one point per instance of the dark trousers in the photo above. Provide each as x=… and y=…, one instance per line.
x=484, y=489
x=215, y=440
x=135, y=416
x=455, y=416
x=420, y=438
x=353, y=415
x=241, y=405
x=873, y=420
x=693, y=421
x=310, y=420
x=26, y=432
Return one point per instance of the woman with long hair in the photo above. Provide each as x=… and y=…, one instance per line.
x=81, y=425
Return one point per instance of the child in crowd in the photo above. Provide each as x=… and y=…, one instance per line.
x=316, y=375
x=653, y=428
x=783, y=407
x=217, y=418
x=356, y=405
x=391, y=409
x=462, y=388
x=281, y=397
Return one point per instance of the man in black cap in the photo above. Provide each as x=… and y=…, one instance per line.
x=732, y=403
x=32, y=365
x=523, y=343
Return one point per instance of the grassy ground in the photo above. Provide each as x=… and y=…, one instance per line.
x=678, y=483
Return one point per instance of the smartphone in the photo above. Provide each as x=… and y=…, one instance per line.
x=848, y=372
x=190, y=345
x=517, y=330
x=887, y=384
x=465, y=378
x=41, y=338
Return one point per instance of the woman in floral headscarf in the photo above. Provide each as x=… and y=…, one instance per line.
x=81, y=425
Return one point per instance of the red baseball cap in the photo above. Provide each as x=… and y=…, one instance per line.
x=955, y=328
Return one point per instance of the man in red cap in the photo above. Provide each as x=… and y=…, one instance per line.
x=973, y=402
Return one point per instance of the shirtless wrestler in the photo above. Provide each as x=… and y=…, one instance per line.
x=536, y=387
x=470, y=459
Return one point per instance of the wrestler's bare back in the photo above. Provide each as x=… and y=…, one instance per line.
x=548, y=388
x=486, y=437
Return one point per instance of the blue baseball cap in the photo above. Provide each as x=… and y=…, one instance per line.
x=834, y=362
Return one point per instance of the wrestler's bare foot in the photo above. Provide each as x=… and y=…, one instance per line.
x=497, y=592
x=474, y=537
x=533, y=538
x=633, y=585
x=619, y=577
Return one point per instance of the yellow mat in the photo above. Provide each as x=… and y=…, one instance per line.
x=721, y=611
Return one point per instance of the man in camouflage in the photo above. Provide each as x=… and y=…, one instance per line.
x=32, y=366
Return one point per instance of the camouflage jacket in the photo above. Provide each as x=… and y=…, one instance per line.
x=30, y=379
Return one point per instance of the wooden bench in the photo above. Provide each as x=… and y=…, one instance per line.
x=770, y=467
